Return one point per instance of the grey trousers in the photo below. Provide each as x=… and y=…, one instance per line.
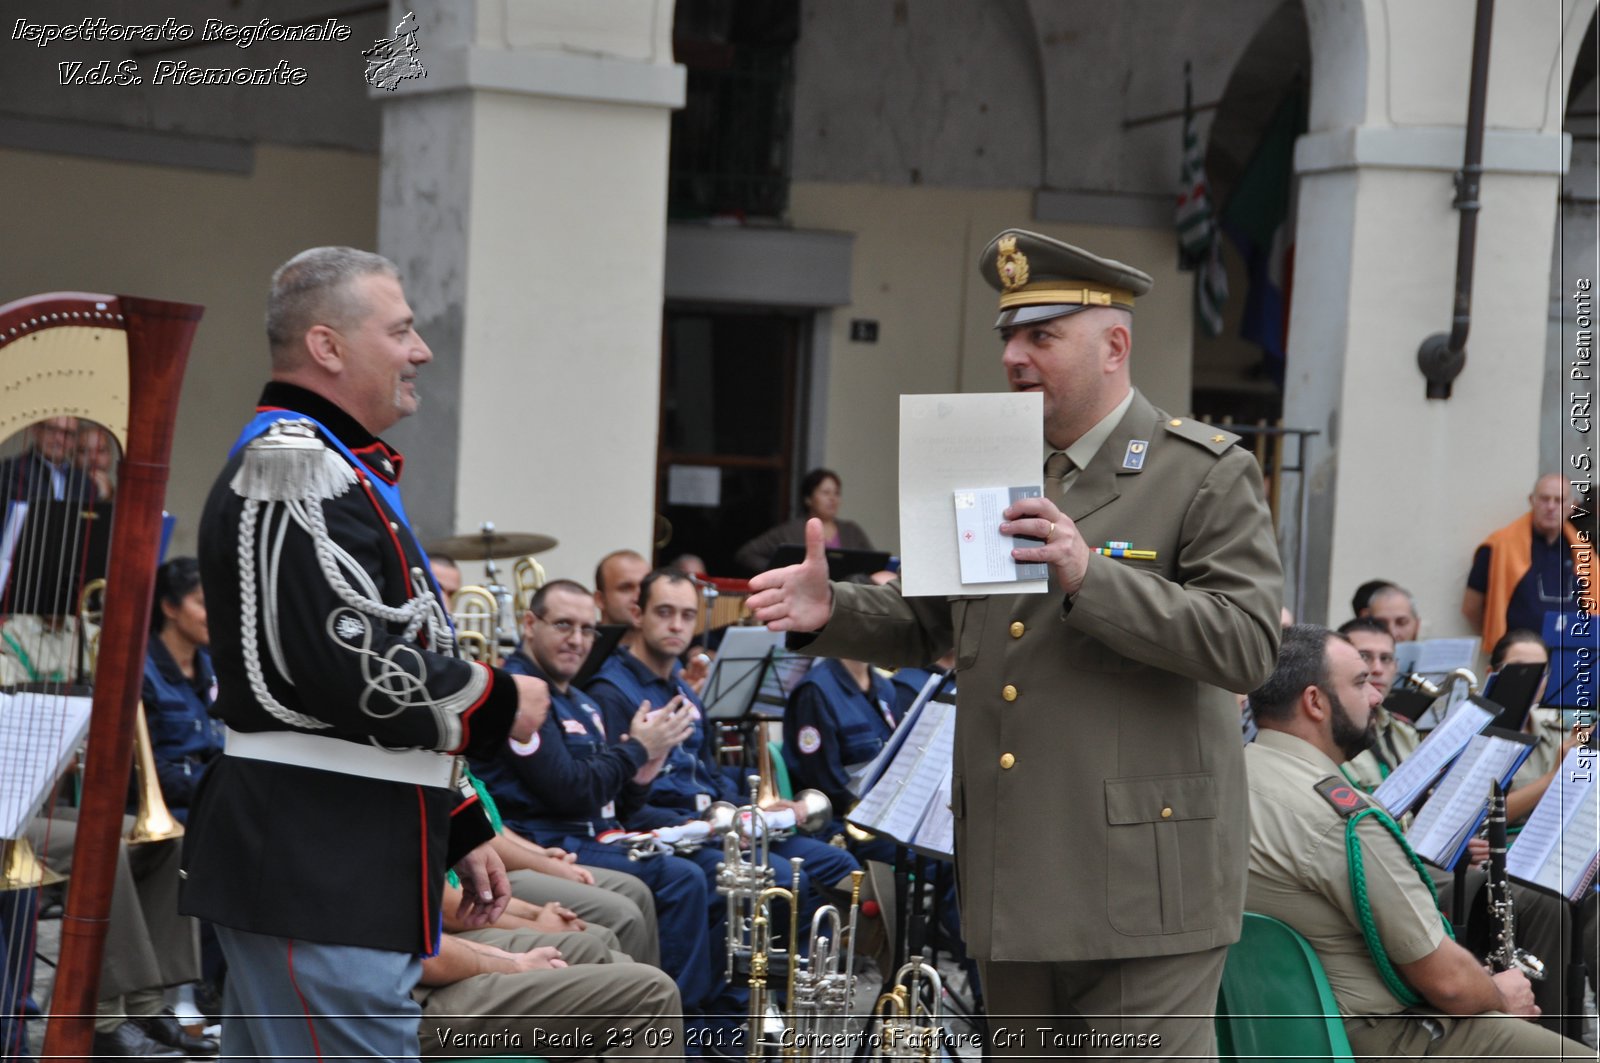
x=292, y=1000
x=1139, y=1008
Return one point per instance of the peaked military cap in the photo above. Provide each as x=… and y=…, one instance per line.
x=1039, y=277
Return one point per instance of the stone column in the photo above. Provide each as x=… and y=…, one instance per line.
x=524, y=198
x=1403, y=487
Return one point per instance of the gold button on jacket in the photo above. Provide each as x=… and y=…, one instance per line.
x=1127, y=713
x=1008, y=692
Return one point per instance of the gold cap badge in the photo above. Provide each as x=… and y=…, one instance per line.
x=1011, y=264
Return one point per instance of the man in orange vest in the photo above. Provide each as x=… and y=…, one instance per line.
x=1525, y=570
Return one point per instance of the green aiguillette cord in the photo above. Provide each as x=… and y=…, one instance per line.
x=1358, y=890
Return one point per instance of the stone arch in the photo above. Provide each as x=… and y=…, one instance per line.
x=1232, y=377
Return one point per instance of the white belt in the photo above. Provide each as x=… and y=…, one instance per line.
x=423, y=767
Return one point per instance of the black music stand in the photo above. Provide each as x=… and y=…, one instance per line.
x=739, y=673
x=842, y=564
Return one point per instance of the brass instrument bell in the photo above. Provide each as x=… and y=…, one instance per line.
x=152, y=820
x=476, y=614
x=20, y=869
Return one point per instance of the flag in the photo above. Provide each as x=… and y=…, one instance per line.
x=1258, y=221
x=1199, y=247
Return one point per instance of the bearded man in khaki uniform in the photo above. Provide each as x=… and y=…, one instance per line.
x=1315, y=711
x=1098, y=784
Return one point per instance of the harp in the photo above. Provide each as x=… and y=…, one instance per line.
x=117, y=360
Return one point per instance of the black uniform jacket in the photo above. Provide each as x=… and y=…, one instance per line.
x=293, y=851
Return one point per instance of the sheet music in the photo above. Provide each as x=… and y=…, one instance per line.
x=1558, y=845
x=900, y=801
x=868, y=776
x=937, y=834
x=949, y=442
x=1440, y=832
x=1407, y=783
x=38, y=734
x=1578, y=853
x=1434, y=657
x=1444, y=708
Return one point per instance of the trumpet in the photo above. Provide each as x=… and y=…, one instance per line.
x=663, y=841
x=744, y=876
x=825, y=983
x=909, y=1025
x=766, y=1029
x=1422, y=685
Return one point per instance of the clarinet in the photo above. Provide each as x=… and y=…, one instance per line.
x=1505, y=955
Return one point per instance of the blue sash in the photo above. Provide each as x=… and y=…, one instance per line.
x=390, y=493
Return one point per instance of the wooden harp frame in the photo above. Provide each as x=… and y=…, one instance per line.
x=118, y=360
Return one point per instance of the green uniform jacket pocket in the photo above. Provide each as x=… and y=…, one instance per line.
x=1161, y=836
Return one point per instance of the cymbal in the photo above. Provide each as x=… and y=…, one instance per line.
x=481, y=546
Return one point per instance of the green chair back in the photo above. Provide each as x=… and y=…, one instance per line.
x=780, y=771
x=1275, y=1002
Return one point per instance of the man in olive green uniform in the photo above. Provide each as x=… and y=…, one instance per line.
x=1396, y=737
x=1098, y=784
x=1314, y=711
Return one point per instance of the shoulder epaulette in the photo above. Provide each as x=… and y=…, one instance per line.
x=289, y=462
x=1212, y=438
x=1345, y=798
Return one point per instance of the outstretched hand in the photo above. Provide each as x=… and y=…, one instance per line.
x=797, y=598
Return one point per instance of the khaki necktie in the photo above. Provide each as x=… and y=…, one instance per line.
x=1056, y=470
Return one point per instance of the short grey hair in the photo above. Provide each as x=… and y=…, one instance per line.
x=1390, y=591
x=314, y=288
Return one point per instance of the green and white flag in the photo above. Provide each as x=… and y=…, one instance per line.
x=1199, y=241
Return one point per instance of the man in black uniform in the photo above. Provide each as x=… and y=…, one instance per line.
x=344, y=700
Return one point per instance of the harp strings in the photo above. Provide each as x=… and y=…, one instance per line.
x=51, y=647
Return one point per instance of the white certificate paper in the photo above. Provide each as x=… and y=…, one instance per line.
x=948, y=443
x=985, y=553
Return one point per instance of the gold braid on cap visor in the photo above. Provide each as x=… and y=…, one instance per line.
x=1067, y=293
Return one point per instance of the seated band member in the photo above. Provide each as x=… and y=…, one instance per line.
x=1543, y=924
x=179, y=685
x=551, y=875
x=542, y=877
x=838, y=718
x=44, y=520
x=908, y=682
x=1314, y=711
x=497, y=991
x=567, y=785
x=616, y=585
x=645, y=671
x=1396, y=738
